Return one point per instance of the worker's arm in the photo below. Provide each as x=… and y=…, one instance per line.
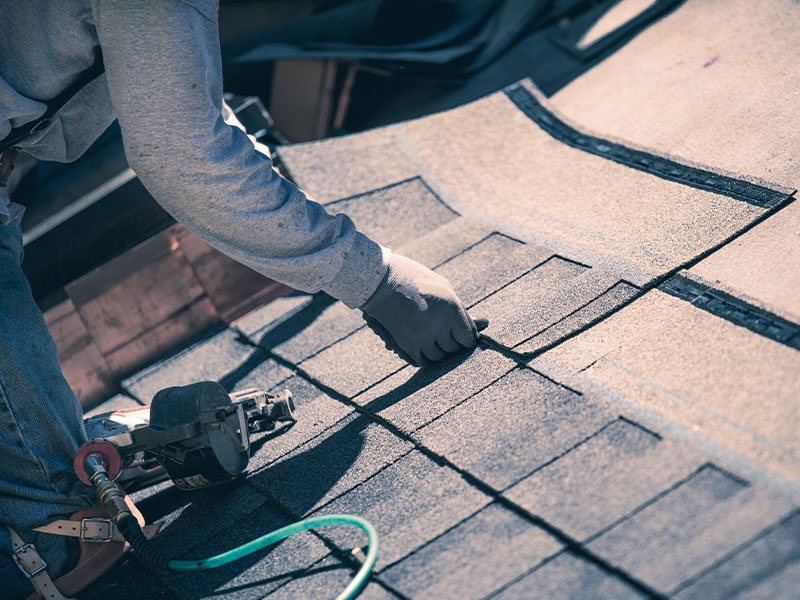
x=165, y=78
x=164, y=75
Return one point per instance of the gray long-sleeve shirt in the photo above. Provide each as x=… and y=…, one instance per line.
x=163, y=82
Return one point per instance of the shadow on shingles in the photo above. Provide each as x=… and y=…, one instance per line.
x=301, y=480
x=422, y=378
x=255, y=360
x=298, y=483
x=296, y=323
x=296, y=574
x=283, y=332
x=255, y=445
x=196, y=533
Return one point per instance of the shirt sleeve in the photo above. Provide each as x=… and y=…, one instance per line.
x=164, y=73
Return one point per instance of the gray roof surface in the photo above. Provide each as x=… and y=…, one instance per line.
x=612, y=436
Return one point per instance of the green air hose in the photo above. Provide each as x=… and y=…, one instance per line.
x=130, y=528
x=279, y=534
x=113, y=498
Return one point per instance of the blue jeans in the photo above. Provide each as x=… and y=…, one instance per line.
x=41, y=427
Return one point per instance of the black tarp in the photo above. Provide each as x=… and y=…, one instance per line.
x=459, y=36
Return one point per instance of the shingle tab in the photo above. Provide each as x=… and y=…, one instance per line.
x=313, y=331
x=767, y=568
x=598, y=308
x=690, y=527
x=569, y=576
x=270, y=315
x=541, y=298
x=325, y=579
x=221, y=357
x=331, y=464
x=315, y=412
x=661, y=353
x=414, y=397
x=353, y=364
x=445, y=242
x=348, y=164
x=513, y=427
x=409, y=503
x=604, y=478
x=489, y=265
x=397, y=213
x=475, y=558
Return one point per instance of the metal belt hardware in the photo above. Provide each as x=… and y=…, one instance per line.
x=21, y=561
x=97, y=540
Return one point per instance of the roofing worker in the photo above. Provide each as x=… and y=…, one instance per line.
x=162, y=81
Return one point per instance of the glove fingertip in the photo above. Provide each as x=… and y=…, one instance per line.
x=481, y=323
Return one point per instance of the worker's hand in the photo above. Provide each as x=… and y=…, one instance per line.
x=417, y=314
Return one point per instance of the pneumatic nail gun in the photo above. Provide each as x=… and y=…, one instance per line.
x=197, y=435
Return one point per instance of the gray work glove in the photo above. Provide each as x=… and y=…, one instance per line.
x=417, y=314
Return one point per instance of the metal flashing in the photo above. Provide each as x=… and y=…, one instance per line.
x=666, y=168
x=733, y=309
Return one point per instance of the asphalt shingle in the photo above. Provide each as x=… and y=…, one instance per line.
x=540, y=188
x=414, y=397
x=129, y=579
x=330, y=464
x=702, y=97
x=542, y=298
x=443, y=243
x=478, y=556
x=302, y=327
x=191, y=518
x=489, y=265
x=688, y=529
x=349, y=163
x=254, y=576
x=353, y=364
x=513, y=427
x=762, y=266
x=315, y=412
x=221, y=357
x=324, y=579
x=271, y=314
x=603, y=304
x=767, y=568
x=397, y=213
x=331, y=324
x=661, y=353
x=603, y=479
x=569, y=576
x=410, y=502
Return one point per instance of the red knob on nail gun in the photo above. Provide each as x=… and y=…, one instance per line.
x=106, y=451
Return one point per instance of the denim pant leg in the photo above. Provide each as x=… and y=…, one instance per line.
x=41, y=424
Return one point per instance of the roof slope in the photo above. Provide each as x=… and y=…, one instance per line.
x=626, y=429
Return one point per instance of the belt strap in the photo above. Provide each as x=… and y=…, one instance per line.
x=34, y=568
x=88, y=530
x=93, y=530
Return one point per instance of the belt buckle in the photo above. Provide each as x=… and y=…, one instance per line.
x=21, y=564
x=97, y=540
